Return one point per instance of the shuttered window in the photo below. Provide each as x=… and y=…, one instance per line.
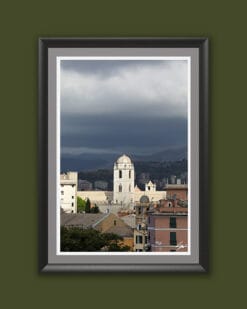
x=139, y=239
x=173, y=222
x=173, y=239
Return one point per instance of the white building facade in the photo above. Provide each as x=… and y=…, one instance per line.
x=68, y=192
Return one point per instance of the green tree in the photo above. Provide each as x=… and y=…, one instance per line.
x=76, y=239
x=88, y=206
x=81, y=204
x=95, y=209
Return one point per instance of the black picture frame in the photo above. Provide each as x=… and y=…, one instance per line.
x=45, y=45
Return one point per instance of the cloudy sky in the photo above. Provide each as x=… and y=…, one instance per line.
x=123, y=106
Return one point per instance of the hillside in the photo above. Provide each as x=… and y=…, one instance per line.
x=158, y=172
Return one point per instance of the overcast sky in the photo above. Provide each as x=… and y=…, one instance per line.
x=123, y=106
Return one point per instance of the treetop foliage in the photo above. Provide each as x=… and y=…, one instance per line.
x=78, y=240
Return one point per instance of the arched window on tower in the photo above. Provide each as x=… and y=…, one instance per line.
x=120, y=174
x=129, y=173
x=120, y=188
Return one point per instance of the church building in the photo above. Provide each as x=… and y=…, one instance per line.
x=125, y=194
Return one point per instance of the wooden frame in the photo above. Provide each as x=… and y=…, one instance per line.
x=49, y=48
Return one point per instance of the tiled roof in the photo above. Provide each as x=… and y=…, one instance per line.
x=130, y=220
x=171, y=210
x=124, y=231
x=84, y=220
x=176, y=186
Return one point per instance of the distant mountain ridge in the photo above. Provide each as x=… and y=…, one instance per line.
x=89, y=162
x=172, y=154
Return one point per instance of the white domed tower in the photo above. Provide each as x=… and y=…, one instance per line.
x=123, y=181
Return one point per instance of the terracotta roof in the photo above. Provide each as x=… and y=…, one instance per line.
x=171, y=210
x=176, y=187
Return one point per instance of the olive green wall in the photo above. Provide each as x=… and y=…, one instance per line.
x=21, y=23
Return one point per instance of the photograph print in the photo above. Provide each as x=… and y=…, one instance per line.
x=124, y=176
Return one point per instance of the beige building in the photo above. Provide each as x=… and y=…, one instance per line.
x=140, y=231
x=150, y=192
x=68, y=192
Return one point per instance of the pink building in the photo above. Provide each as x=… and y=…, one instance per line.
x=168, y=231
x=177, y=193
x=168, y=223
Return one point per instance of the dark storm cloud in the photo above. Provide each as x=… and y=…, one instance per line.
x=139, y=135
x=106, y=69
x=123, y=106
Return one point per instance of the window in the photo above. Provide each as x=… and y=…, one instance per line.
x=62, y=192
x=73, y=197
x=139, y=210
x=120, y=174
x=72, y=204
x=139, y=239
x=173, y=222
x=120, y=188
x=129, y=174
x=146, y=239
x=115, y=222
x=169, y=204
x=173, y=239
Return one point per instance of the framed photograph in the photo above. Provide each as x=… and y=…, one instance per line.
x=123, y=154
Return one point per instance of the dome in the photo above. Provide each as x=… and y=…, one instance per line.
x=144, y=199
x=124, y=160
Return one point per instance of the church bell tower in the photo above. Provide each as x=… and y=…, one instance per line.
x=123, y=181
